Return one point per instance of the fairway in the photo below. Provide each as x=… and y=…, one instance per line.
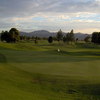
x=40, y=72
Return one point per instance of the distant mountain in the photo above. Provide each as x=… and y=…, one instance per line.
x=44, y=33
x=39, y=33
x=81, y=36
x=24, y=33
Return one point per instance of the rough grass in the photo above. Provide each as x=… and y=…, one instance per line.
x=39, y=72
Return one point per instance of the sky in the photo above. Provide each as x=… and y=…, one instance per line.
x=52, y=15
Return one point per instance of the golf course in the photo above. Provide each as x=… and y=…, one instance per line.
x=30, y=71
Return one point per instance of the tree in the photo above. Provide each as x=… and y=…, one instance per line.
x=69, y=37
x=11, y=36
x=59, y=35
x=36, y=40
x=14, y=35
x=2, y=36
x=99, y=38
x=87, y=39
x=72, y=38
x=22, y=37
x=76, y=39
x=96, y=37
x=64, y=39
x=32, y=38
x=5, y=36
x=50, y=39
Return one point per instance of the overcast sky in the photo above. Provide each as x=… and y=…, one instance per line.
x=52, y=15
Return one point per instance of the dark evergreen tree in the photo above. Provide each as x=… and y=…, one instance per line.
x=64, y=39
x=50, y=39
x=59, y=35
x=36, y=40
x=72, y=38
x=76, y=39
x=68, y=37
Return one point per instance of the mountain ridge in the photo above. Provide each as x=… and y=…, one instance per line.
x=46, y=34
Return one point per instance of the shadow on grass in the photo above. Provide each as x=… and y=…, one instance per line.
x=82, y=53
x=81, y=89
x=2, y=58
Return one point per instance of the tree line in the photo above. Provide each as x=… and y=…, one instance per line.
x=13, y=36
x=95, y=38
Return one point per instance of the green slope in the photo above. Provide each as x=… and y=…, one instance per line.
x=39, y=72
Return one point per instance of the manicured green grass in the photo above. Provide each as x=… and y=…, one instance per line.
x=31, y=71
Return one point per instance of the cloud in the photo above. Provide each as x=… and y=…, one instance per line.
x=29, y=7
x=50, y=14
